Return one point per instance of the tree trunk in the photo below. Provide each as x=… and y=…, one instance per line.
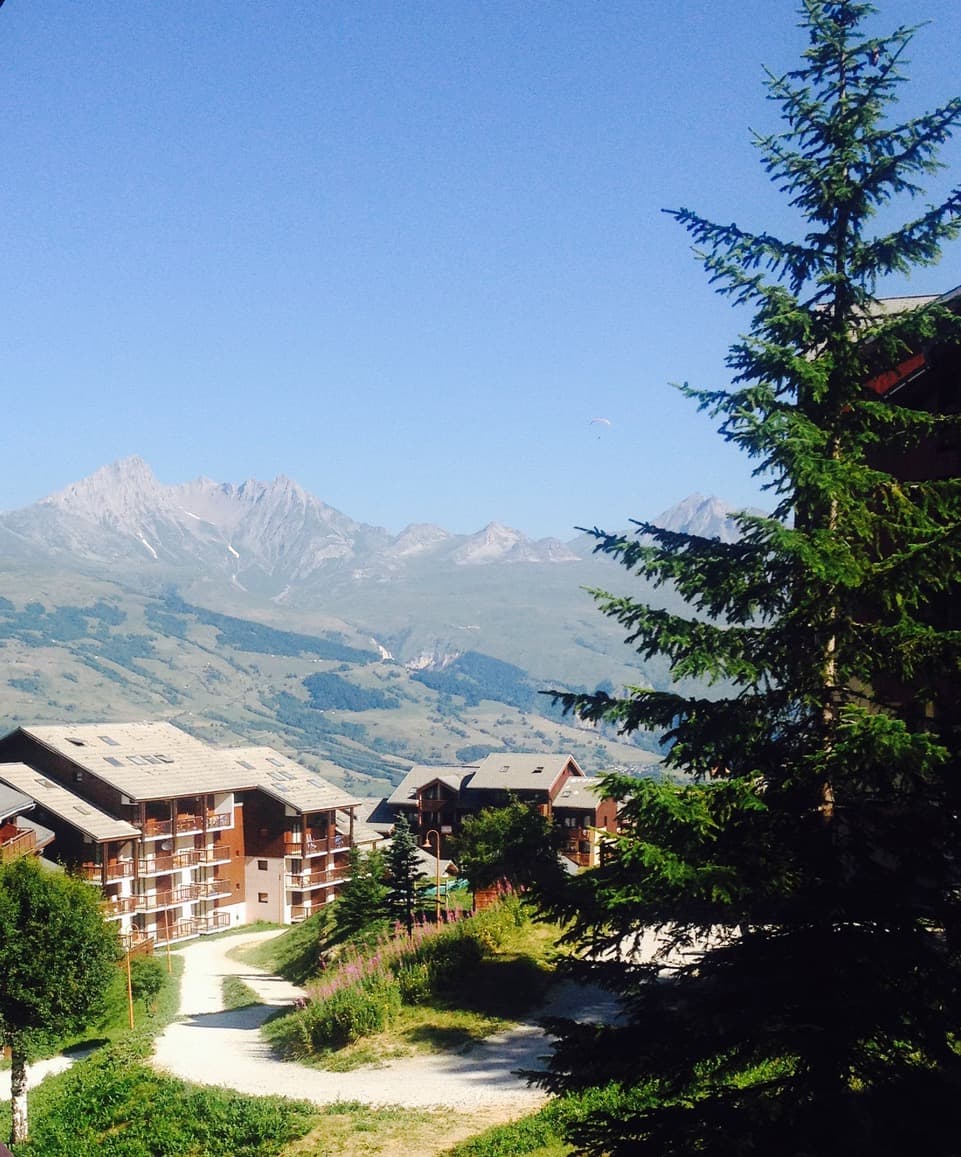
x=18, y=1093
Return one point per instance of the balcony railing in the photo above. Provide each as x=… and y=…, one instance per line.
x=313, y=845
x=114, y=909
x=154, y=829
x=215, y=855
x=181, y=930
x=157, y=829
x=22, y=844
x=174, y=862
x=215, y=922
x=306, y=881
x=155, y=901
x=209, y=889
x=116, y=870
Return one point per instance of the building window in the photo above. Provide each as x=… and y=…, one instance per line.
x=261, y=897
x=262, y=865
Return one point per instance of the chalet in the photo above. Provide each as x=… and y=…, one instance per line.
x=183, y=838
x=439, y=798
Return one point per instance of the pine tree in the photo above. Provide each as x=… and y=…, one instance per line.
x=813, y=839
x=404, y=874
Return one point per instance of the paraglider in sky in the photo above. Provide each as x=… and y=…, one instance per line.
x=600, y=422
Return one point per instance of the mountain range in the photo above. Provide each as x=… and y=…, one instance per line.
x=257, y=607
x=269, y=537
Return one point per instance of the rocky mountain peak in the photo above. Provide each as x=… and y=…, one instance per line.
x=114, y=493
x=706, y=517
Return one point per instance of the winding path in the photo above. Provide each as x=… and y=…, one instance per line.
x=216, y=1047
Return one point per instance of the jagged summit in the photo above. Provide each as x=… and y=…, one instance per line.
x=271, y=537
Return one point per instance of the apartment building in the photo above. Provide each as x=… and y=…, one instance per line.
x=184, y=838
x=439, y=798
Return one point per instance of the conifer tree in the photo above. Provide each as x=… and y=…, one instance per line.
x=405, y=875
x=360, y=910
x=813, y=840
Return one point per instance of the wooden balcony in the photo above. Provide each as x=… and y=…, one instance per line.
x=210, y=889
x=157, y=829
x=156, y=901
x=307, y=881
x=154, y=829
x=114, y=909
x=214, y=922
x=116, y=870
x=313, y=844
x=181, y=930
x=214, y=855
x=174, y=862
x=24, y=843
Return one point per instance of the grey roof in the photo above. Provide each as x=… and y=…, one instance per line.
x=13, y=802
x=286, y=780
x=60, y=802
x=405, y=793
x=364, y=833
x=147, y=760
x=377, y=814
x=519, y=771
x=42, y=835
x=579, y=792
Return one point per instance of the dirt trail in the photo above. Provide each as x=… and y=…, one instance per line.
x=211, y=1046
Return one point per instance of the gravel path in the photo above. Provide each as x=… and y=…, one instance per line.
x=214, y=1047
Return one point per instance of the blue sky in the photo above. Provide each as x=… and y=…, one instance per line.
x=401, y=252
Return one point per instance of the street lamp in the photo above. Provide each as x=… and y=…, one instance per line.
x=434, y=832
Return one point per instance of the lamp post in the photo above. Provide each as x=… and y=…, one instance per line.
x=434, y=832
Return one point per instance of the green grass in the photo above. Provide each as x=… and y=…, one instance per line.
x=459, y=986
x=236, y=994
x=295, y=953
x=537, y=1135
x=114, y=1023
x=113, y=1104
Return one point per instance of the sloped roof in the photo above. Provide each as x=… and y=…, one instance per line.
x=60, y=802
x=43, y=836
x=580, y=792
x=146, y=760
x=13, y=802
x=405, y=793
x=376, y=813
x=521, y=771
x=286, y=780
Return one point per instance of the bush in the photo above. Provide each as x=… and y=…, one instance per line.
x=115, y=1105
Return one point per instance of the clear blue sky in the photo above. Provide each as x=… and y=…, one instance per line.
x=401, y=252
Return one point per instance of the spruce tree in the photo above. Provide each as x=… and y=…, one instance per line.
x=360, y=910
x=404, y=874
x=812, y=835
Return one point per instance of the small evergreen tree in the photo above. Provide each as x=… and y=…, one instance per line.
x=405, y=876
x=57, y=957
x=817, y=833
x=360, y=911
